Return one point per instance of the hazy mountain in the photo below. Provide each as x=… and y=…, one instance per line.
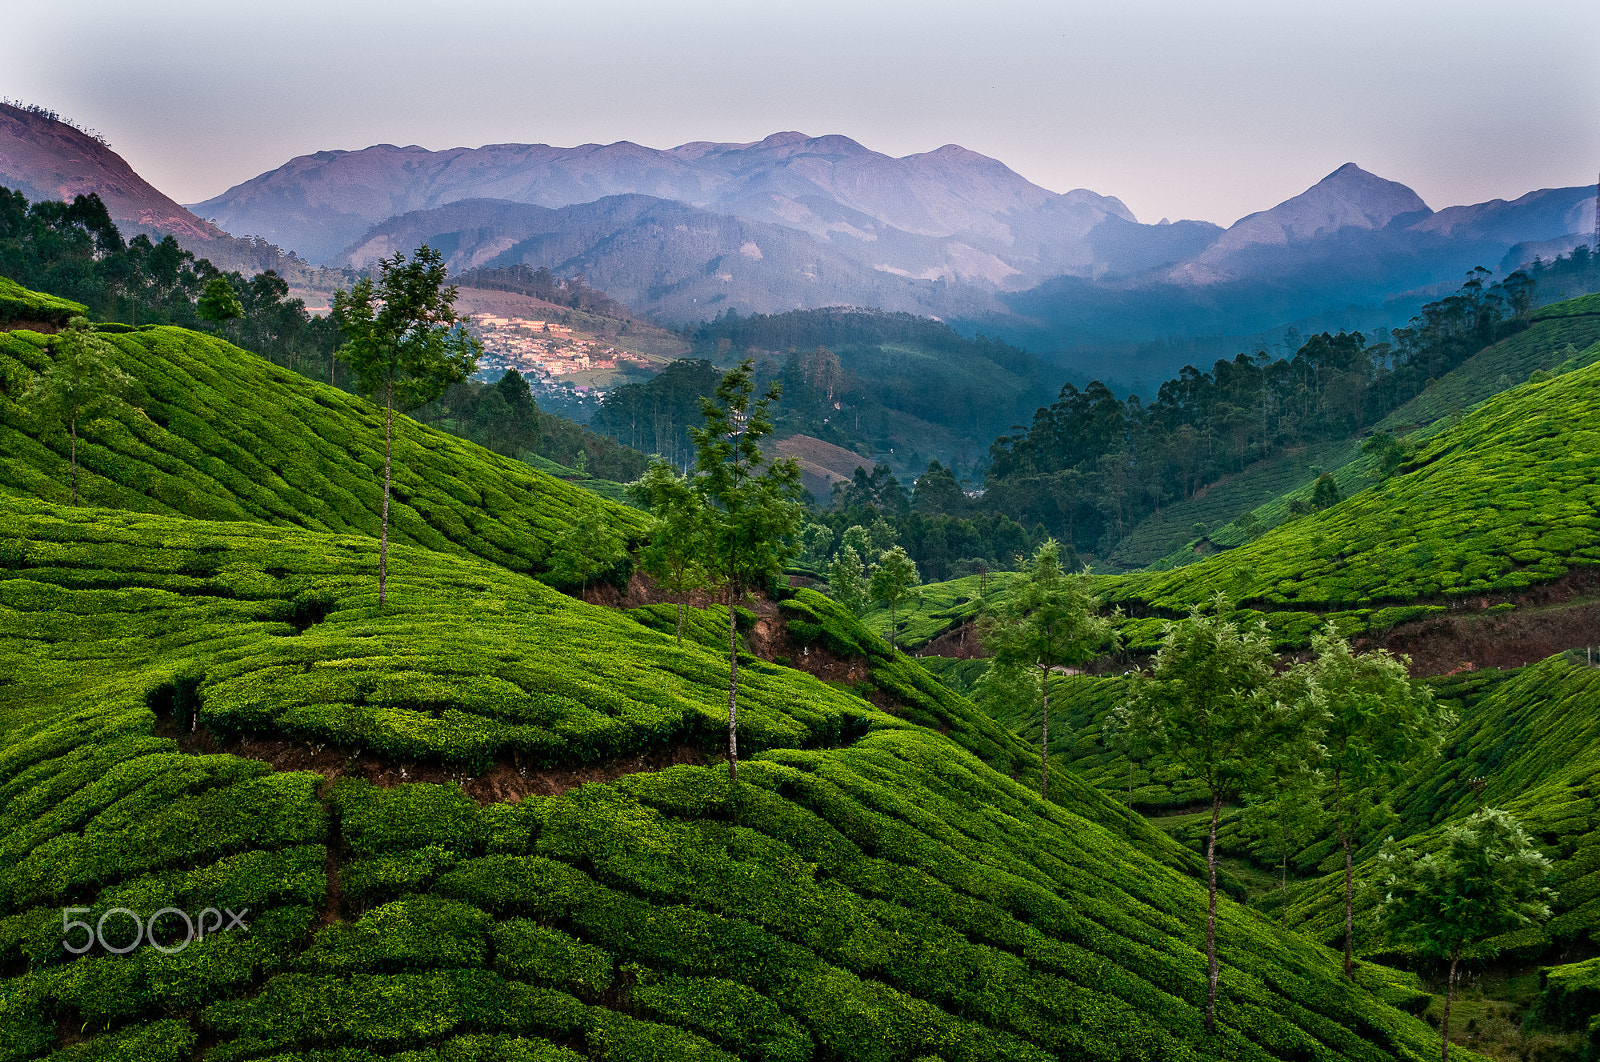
x=1347, y=199
x=45, y=158
x=664, y=258
x=990, y=222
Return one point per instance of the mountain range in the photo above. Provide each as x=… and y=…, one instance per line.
x=793, y=221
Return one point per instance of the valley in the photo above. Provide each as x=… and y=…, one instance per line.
x=570, y=700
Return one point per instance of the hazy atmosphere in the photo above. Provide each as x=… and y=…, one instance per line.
x=823, y=532
x=1205, y=111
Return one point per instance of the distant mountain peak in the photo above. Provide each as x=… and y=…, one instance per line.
x=784, y=139
x=1348, y=198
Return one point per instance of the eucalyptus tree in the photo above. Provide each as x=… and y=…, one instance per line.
x=1372, y=721
x=1048, y=618
x=1486, y=879
x=405, y=346
x=750, y=506
x=80, y=383
x=1211, y=700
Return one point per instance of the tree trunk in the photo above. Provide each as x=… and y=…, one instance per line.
x=1211, y=917
x=733, y=692
x=892, y=626
x=680, y=623
x=73, y=428
x=1044, y=740
x=1349, y=879
x=388, y=447
x=1444, y=1024
x=1283, y=881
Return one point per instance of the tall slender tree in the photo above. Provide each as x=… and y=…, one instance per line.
x=1373, y=721
x=894, y=581
x=1047, y=619
x=751, y=506
x=1209, y=701
x=405, y=347
x=80, y=383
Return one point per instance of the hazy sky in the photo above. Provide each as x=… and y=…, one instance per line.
x=1193, y=109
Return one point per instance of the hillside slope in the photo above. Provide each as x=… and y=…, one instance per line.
x=891, y=898
x=1487, y=509
x=214, y=432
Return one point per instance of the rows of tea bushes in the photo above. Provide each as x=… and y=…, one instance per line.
x=213, y=432
x=938, y=607
x=1500, y=502
x=1562, y=330
x=1166, y=539
x=17, y=303
x=892, y=899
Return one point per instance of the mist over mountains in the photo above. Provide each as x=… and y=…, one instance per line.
x=794, y=221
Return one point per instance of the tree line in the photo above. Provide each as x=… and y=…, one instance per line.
x=1091, y=466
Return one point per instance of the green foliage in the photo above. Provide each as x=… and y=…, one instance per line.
x=751, y=505
x=403, y=341
x=894, y=581
x=847, y=581
x=214, y=433
x=1495, y=504
x=1325, y=493
x=1371, y=722
x=675, y=554
x=1486, y=880
x=1047, y=619
x=747, y=508
x=586, y=549
x=17, y=303
x=889, y=899
x=79, y=384
x=217, y=303
x=1212, y=702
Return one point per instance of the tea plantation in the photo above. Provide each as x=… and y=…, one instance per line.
x=196, y=682
x=874, y=890
x=1498, y=503
x=213, y=432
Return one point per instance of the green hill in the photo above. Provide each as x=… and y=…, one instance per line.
x=1501, y=502
x=18, y=304
x=1532, y=740
x=891, y=897
x=485, y=822
x=1573, y=324
x=213, y=432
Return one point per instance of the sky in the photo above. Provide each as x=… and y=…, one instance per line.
x=1206, y=110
